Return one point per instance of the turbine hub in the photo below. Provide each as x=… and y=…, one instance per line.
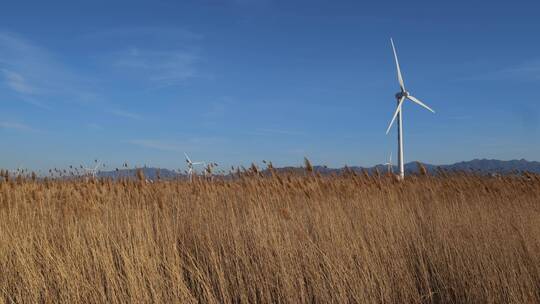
x=401, y=94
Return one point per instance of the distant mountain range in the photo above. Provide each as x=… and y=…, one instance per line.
x=482, y=166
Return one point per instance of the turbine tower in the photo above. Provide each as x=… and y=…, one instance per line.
x=400, y=97
x=190, y=165
x=389, y=164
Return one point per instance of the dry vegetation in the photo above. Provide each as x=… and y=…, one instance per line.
x=288, y=238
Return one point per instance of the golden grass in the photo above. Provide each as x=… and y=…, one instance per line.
x=286, y=238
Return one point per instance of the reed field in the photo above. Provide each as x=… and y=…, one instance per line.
x=284, y=238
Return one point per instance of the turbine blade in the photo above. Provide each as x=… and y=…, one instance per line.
x=414, y=99
x=187, y=157
x=197, y=163
x=400, y=78
x=398, y=109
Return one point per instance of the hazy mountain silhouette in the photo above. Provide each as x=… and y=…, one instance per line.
x=477, y=165
x=149, y=173
x=483, y=166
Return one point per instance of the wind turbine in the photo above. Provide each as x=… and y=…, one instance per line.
x=190, y=165
x=401, y=96
x=389, y=164
x=93, y=171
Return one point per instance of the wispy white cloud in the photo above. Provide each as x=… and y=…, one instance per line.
x=17, y=82
x=160, y=56
x=273, y=132
x=125, y=114
x=94, y=126
x=280, y=132
x=529, y=70
x=152, y=34
x=461, y=117
x=188, y=144
x=526, y=71
x=158, y=145
x=214, y=113
x=36, y=76
x=216, y=110
x=16, y=126
x=161, y=68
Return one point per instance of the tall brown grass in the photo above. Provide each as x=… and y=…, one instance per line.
x=276, y=239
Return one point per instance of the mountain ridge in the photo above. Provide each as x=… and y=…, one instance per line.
x=482, y=166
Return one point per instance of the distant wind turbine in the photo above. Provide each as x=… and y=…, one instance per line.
x=401, y=96
x=93, y=171
x=190, y=165
x=389, y=164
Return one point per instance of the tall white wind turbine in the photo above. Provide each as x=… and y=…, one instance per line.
x=401, y=96
x=190, y=165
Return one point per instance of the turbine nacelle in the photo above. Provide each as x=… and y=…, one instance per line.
x=401, y=94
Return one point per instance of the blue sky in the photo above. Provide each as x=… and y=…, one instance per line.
x=241, y=81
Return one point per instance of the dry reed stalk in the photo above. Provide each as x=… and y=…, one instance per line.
x=457, y=238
